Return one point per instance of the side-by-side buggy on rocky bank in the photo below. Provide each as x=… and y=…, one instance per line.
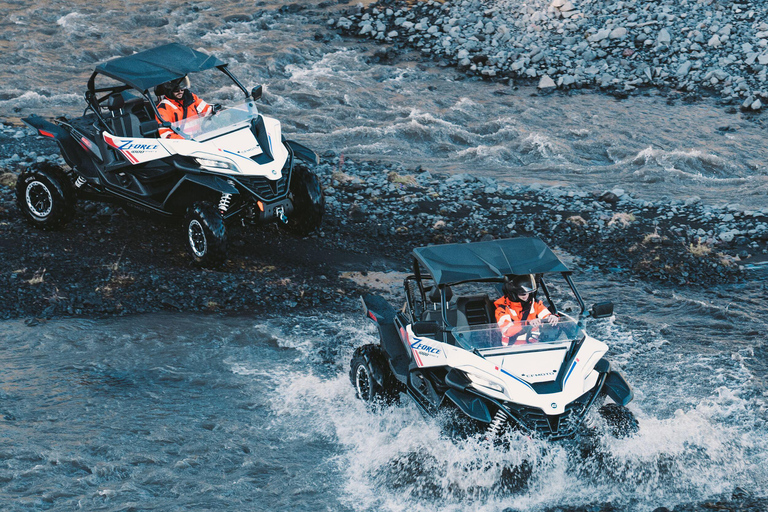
x=231, y=165
x=445, y=350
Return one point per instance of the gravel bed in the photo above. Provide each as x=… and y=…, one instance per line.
x=107, y=262
x=694, y=46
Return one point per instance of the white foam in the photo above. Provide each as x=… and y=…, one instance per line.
x=27, y=100
x=394, y=459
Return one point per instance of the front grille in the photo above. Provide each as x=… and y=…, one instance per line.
x=266, y=189
x=561, y=425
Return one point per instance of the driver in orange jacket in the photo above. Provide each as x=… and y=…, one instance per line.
x=518, y=305
x=179, y=103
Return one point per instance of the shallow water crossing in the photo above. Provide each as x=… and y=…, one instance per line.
x=176, y=411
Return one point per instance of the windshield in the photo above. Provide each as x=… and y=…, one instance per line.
x=524, y=337
x=202, y=127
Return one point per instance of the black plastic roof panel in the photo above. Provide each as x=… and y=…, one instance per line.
x=479, y=261
x=149, y=68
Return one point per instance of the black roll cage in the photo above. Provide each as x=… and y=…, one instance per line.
x=93, y=101
x=419, y=279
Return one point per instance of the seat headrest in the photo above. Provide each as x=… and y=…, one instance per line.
x=115, y=102
x=125, y=100
x=434, y=295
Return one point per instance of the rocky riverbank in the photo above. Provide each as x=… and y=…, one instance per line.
x=695, y=47
x=107, y=262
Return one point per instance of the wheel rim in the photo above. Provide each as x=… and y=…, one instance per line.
x=197, y=241
x=363, y=383
x=39, y=199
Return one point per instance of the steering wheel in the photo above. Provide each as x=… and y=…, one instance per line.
x=527, y=331
x=205, y=121
x=549, y=332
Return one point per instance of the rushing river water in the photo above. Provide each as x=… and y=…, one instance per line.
x=328, y=94
x=178, y=412
x=187, y=413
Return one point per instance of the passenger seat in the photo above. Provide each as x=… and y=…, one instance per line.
x=475, y=310
x=125, y=122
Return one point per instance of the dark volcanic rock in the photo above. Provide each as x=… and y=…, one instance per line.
x=107, y=262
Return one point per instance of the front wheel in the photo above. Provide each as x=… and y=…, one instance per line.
x=308, y=202
x=371, y=376
x=46, y=197
x=205, y=235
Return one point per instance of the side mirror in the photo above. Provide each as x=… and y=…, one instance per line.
x=425, y=329
x=256, y=92
x=601, y=310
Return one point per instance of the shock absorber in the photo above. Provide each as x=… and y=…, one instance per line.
x=224, y=202
x=79, y=182
x=494, y=429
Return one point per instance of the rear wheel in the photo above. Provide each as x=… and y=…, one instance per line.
x=371, y=376
x=620, y=420
x=46, y=197
x=205, y=235
x=308, y=202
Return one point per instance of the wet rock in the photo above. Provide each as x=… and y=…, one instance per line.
x=238, y=18
x=546, y=82
x=145, y=20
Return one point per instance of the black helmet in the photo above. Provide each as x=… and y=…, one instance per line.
x=167, y=88
x=519, y=285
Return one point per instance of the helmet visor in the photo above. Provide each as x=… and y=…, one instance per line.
x=524, y=284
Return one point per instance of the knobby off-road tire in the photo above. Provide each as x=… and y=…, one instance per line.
x=308, y=202
x=46, y=197
x=205, y=234
x=620, y=420
x=371, y=376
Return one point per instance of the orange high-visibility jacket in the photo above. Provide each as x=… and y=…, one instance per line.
x=171, y=111
x=509, y=315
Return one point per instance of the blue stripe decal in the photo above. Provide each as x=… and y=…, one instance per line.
x=514, y=377
x=569, y=373
x=232, y=153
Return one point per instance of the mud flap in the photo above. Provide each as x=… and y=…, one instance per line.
x=303, y=152
x=471, y=405
x=617, y=388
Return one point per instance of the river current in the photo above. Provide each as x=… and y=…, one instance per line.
x=179, y=412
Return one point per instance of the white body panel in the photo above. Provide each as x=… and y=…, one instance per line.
x=513, y=370
x=235, y=146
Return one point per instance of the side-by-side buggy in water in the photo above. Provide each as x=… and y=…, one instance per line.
x=444, y=349
x=232, y=165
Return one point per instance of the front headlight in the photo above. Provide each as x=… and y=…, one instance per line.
x=215, y=165
x=479, y=381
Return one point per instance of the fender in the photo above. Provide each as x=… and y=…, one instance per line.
x=471, y=405
x=73, y=154
x=379, y=311
x=192, y=183
x=617, y=388
x=46, y=128
x=303, y=152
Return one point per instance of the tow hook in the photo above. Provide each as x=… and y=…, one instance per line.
x=280, y=214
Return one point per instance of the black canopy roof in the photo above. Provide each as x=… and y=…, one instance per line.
x=153, y=67
x=478, y=261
